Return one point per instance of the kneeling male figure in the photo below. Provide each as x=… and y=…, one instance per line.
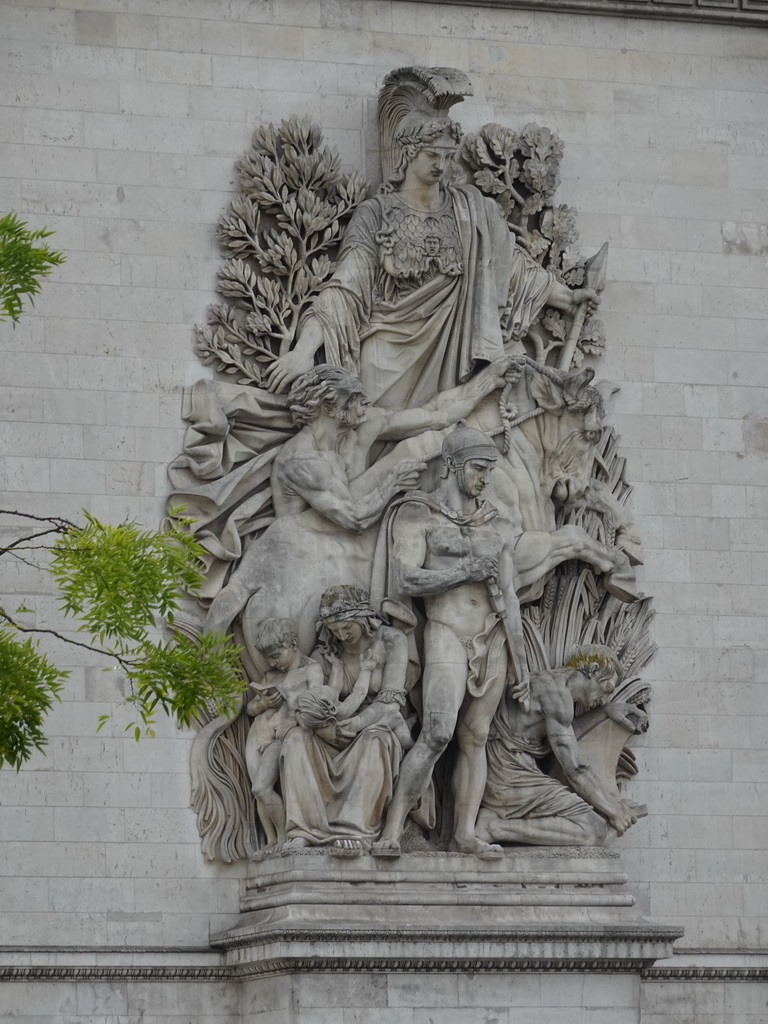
x=522, y=804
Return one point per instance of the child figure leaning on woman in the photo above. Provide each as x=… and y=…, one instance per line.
x=291, y=693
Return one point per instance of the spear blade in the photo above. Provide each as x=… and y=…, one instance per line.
x=594, y=277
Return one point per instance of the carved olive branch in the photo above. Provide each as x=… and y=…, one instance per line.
x=288, y=179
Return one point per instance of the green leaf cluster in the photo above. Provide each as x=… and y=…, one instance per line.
x=22, y=264
x=30, y=684
x=183, y=678
x=117, y=582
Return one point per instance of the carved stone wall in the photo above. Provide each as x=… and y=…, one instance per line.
x=120, y=128
x=729, y=12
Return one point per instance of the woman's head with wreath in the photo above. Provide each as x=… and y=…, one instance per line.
x=414, y=134
x=346, y=602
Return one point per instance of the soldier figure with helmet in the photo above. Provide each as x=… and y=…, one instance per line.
x=453, y=549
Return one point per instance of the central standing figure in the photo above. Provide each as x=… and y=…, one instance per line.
x=426, y=272
x=455, y=551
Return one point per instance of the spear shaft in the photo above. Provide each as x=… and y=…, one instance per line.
x=499, y=605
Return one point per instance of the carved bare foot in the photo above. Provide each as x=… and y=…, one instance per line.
x=478, y=847
x=481, y=828
x=297, y=843
x=386, y=848
x=346, y=848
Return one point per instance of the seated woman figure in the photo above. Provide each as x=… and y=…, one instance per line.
x=338, y=774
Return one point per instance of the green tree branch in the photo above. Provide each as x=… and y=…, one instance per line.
x=117, y=583
x=22, y=264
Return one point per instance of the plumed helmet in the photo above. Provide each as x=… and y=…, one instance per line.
x=464, y=443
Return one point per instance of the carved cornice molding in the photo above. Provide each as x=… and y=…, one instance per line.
x=428, y=965
x=731, y=12
x=259, y=935
x=283, y=965
x=619, y=948
x=64, y=972
x=692, y=973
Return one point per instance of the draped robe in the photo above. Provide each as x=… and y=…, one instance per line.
x=411, y=337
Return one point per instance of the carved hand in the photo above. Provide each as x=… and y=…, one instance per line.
x=349, y=729
x=286, y=369
x=505, y=370
x=407, y=474
x=588, y=295
x=633, y=718
x=521, y=691
x=368, y=660
x=479, y=569
x=282, y=730
x=624, y=816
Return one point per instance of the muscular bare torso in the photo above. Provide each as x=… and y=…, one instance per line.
x=465, y=608
x=295, y=468
x=549, y=699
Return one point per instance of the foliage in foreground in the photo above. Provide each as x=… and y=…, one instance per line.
x=116, y=582
x=22, y=264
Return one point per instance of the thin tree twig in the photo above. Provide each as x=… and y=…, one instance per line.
x=124, y=662
x=26, y=561
x=63, y=524
x=30, y=536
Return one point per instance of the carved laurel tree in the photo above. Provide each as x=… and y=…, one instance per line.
x=304, y=499
x=279, y=237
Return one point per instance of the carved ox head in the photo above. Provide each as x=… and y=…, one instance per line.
x=568, y=433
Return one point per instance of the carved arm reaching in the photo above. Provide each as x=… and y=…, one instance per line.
x=449, y=406
x=558, y=715
x=334, y=320
x=313, y=478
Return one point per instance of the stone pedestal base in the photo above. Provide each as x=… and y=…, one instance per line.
x=561, y=909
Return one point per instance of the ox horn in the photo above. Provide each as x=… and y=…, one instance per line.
x=575, y=383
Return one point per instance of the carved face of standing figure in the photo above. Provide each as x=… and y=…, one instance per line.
x=431, y=162
x=425, y=151
x=474, y=475
x=471, y=455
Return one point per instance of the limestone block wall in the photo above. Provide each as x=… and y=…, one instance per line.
x=120, y=121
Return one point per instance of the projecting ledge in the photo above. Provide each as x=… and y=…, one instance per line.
x=543, y=909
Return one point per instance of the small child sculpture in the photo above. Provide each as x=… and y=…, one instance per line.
x=321, y=711
x=290, y=676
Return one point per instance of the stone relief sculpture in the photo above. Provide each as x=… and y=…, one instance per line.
x=338, y=778
x=425, y=266
x=440, y=622
x=455, y=551
x=522, y=804
x=290, y=677
x=326, y=497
